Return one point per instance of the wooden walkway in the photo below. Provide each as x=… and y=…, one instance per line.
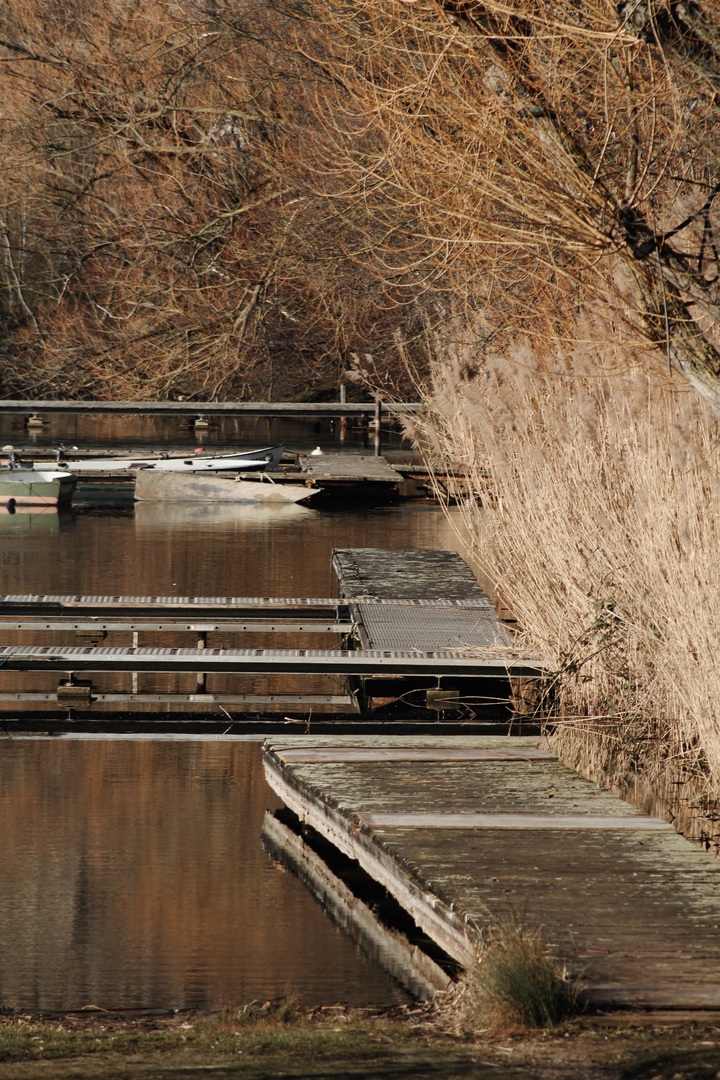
x=370, y=478
x=466, y=832
x=208, y=408
x=351, y=469
x=407, y=574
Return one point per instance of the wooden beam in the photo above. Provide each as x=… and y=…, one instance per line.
x=208, y=408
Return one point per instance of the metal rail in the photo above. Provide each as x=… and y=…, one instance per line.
x=174, y=607
x=265, y=661
x=228, y=626
x=94, y=697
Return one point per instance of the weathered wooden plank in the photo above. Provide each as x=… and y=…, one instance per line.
x=314, y=755
x=350, y=467
x=542, y=787
x=402, y=743
x=406, y=574
x=512, y=821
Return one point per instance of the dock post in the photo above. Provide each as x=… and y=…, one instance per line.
x=135, y=644
x=202, y=675
x=377, y=421
x=343, y=419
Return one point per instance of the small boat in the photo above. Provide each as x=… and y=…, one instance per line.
x=153, y=485
x=22, y=487
x=268, y=457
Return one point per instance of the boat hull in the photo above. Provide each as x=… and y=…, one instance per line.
x=156, y=486
x=26, y=487
x=248, y=461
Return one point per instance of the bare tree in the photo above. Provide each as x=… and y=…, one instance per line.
x=158, y=230
x=548, y=160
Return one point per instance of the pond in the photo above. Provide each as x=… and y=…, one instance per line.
x=132, y=872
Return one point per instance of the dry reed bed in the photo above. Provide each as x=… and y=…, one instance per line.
x=600, y=528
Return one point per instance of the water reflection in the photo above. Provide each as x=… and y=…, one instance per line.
x=133, y=877
x=173, y=551
x=92, y=429
x=157, y=516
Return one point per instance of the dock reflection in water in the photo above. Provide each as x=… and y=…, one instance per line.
x=152, y=516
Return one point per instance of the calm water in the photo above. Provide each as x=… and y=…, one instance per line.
x=132, y=873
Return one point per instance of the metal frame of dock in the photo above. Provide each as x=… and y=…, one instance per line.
x=391, y=647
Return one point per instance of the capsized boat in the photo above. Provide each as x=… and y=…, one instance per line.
x=48, y=487
x=267, y=457
x=157, y=486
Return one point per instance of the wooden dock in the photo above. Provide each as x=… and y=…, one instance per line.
x=468, y=832
x=426, y=600
x=370, y=479
x=358, y=476
x=287, y=409
x=415, y=574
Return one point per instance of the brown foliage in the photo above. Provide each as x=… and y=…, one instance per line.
x=158, y=235
x=541, y=158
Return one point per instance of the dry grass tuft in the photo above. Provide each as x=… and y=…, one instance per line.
x=516, y=984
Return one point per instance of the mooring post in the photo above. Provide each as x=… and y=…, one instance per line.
x=377, y=422
x=343, y=419
x=202, y=675
x=135, y=644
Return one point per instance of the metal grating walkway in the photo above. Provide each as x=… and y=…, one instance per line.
x=386, y=625
x=424, y=600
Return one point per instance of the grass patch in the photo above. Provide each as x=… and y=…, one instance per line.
x=259, y=1042
x=269, y=1041
x=518, y=984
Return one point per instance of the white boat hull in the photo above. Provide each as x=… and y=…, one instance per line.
x=157, y=486
x=250, y=461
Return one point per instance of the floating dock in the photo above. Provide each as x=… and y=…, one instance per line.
x=470, y=832
x=443, y=650
x=428, y=601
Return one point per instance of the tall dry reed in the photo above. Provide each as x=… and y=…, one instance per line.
x=600, y=526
